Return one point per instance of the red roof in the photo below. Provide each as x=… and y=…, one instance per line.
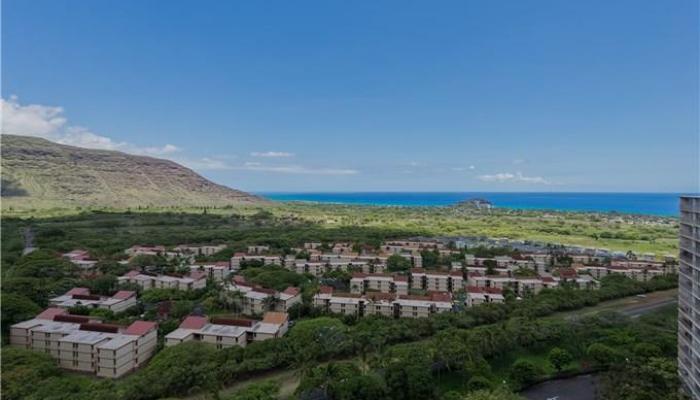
x=292, y=291
x=567, y=272
x=222, y=263
x=380, y=296
x=456, y=273
x=239, y=254
x=78, y=290
x=140, y=328
x=326, y=289
x=490, y=290
x=400, y=278
x=197, y=275
x=132, y=273
x=239, y=279
x=358, y=275
x=50, y=313
x=124, y=294
x=193, y=322
x=440, y=296
x=418, y=270
x=547, y=279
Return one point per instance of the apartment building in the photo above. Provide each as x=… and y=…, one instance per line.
x=437, y=281
x=689, y=297
x=258, y=249
x=256, y=300
x=384, y=283
x=151, y=251
x=483, y=295
x=82, y=344
x=218, y=270
x=423, y=306
x=378, y=303
x=240, y=258
x=195, y=280
x=227, y=332
x=118, y=302
x=520, y=285
x=287, y=298
x=81, y=258
x=204, y=250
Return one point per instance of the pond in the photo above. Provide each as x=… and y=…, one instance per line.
x=582, y=387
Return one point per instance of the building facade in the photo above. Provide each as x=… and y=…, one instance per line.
x=689, y=297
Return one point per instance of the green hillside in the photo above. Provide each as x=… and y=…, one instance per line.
x=39, y=174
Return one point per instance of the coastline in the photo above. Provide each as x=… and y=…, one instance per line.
x=645, y=204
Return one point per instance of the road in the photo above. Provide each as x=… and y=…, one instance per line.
x=632, y=306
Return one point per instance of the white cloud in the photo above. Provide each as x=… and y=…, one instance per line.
x=214, y=164
x=48, y=122
x=271, y=154
x=205, y=164
x=517, y=177
x=295, y=169
x=460, y=169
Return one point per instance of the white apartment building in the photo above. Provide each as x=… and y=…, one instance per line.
x=437, y=281
x=483, y=295
x=239, y=258
x=377, y=303
x=118, y=302
x=195, y=280
x=225, y=332
x=205, y=250
x=256, y=300
x=81, y=258
x=689, y=297
x=217, y=271
x=82, y=344
x=384, y=283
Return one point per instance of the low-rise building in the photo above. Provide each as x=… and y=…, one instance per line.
x=81, y=258
x=118, y=302
x=385, y=283
x=483, y=295
x=256, y=300
x=82, y=344
x=227, y=332
x=195, y=280
x=218, y=270
x=378, y=303
x=437, y=281
x=240, y=258
x=204, y=250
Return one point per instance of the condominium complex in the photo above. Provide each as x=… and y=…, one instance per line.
x=689, y=297
x=117, y=302
x=224, y=332
x=83, y=344
x=256, y=300
x=195, y=280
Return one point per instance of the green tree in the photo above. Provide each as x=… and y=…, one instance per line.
x=559, y=358
x=16, y=308
x=396, y=263
x=602, y=355
x=524, y=372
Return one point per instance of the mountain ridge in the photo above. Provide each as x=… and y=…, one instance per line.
x=38, y=173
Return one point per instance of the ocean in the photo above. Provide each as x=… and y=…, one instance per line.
x=661, y=204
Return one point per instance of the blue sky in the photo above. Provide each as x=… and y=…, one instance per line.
x=368, y=96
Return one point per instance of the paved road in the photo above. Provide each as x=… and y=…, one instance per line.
x=642, y=309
